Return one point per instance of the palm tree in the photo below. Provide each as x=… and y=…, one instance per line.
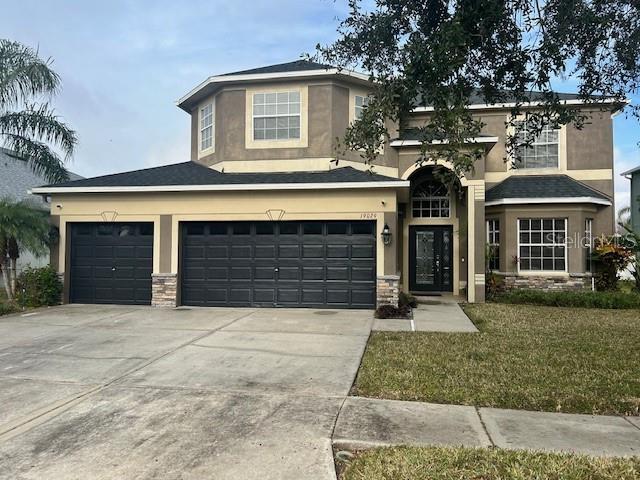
x=624, y=219
x=28, y=128
x=22, y=227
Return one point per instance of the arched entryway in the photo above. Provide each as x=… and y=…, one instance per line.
x=431, y=235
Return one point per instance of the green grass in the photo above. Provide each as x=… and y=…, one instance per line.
x=526, y=357
x=415, y=463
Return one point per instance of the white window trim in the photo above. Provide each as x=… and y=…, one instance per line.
x=353, y=93
x=302, y=142
x=359, y=92
x=562, y=154
x=549, y=273
x=207, y=151
x=276, y=115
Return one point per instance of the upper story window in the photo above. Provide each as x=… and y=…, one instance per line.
x=430, y=199
x=206, y=127
x=360, y=103
x=542, y=150
x=276, y=116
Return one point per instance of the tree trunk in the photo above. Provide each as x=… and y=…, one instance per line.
x=4, y=267
x=13, y=252
x=14, y=275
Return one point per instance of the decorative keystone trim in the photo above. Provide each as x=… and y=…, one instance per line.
x=164, y=289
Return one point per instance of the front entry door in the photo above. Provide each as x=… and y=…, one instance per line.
x=431, y=259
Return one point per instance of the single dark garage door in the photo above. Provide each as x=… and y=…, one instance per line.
x=287, y=264
x=111, y=263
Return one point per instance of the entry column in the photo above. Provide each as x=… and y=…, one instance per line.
x=164, y=284
x=476, y=242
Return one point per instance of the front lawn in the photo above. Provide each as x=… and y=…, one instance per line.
x=435, y=463
x=526, y=357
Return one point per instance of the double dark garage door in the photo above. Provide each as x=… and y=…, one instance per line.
x=287, y=264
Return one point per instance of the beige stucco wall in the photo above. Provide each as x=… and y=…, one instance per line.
x=325, y=114
x=585, y=154
x=167, y=210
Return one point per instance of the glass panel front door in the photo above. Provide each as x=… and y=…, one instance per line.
x=425, y=258
x=431, y=258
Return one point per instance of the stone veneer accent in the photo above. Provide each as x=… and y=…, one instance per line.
x=61, y=278
x=164, y=289
x=387, y=290
x=552, y=283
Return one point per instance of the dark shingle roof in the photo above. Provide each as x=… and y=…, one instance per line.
x=296, y=66
x=541, y=186
x=191, y=173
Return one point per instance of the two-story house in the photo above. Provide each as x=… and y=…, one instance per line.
x=261, y=216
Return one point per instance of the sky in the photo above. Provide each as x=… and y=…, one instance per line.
x=124, y=64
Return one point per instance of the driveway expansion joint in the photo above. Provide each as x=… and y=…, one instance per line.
x=484, y=426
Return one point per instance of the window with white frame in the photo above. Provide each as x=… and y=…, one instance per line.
x=206, y=127
x=430, y=199
x=537, y=151
x=276, y=116
x=493, y=242
x=360, y=104
x=588, y=244
x=542, y=244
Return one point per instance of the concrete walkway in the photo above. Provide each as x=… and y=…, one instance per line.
x=438, y=315
x=366, y=422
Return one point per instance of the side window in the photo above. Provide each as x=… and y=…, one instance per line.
x=360, y=104
x=206, y=122
x=493, y=244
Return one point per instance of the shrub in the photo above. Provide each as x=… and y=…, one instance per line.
x=611, y=257
x=389, y=311
x=580, y=299
x=7, y=308
x=37, y=287
x=407, y=299
x=494, y=285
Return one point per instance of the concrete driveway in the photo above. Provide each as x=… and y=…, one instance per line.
x=112, y=392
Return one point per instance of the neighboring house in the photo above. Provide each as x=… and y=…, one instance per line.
x=16, y=179
x=634, y=176
x=260, y=216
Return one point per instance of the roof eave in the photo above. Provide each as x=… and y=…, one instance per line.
x=225, y=188
x=535, y=103
x=417, y=143
x=630, y=172
x=547, y=200
x=221, y=80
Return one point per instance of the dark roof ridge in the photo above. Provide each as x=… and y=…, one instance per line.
x=293, y=66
